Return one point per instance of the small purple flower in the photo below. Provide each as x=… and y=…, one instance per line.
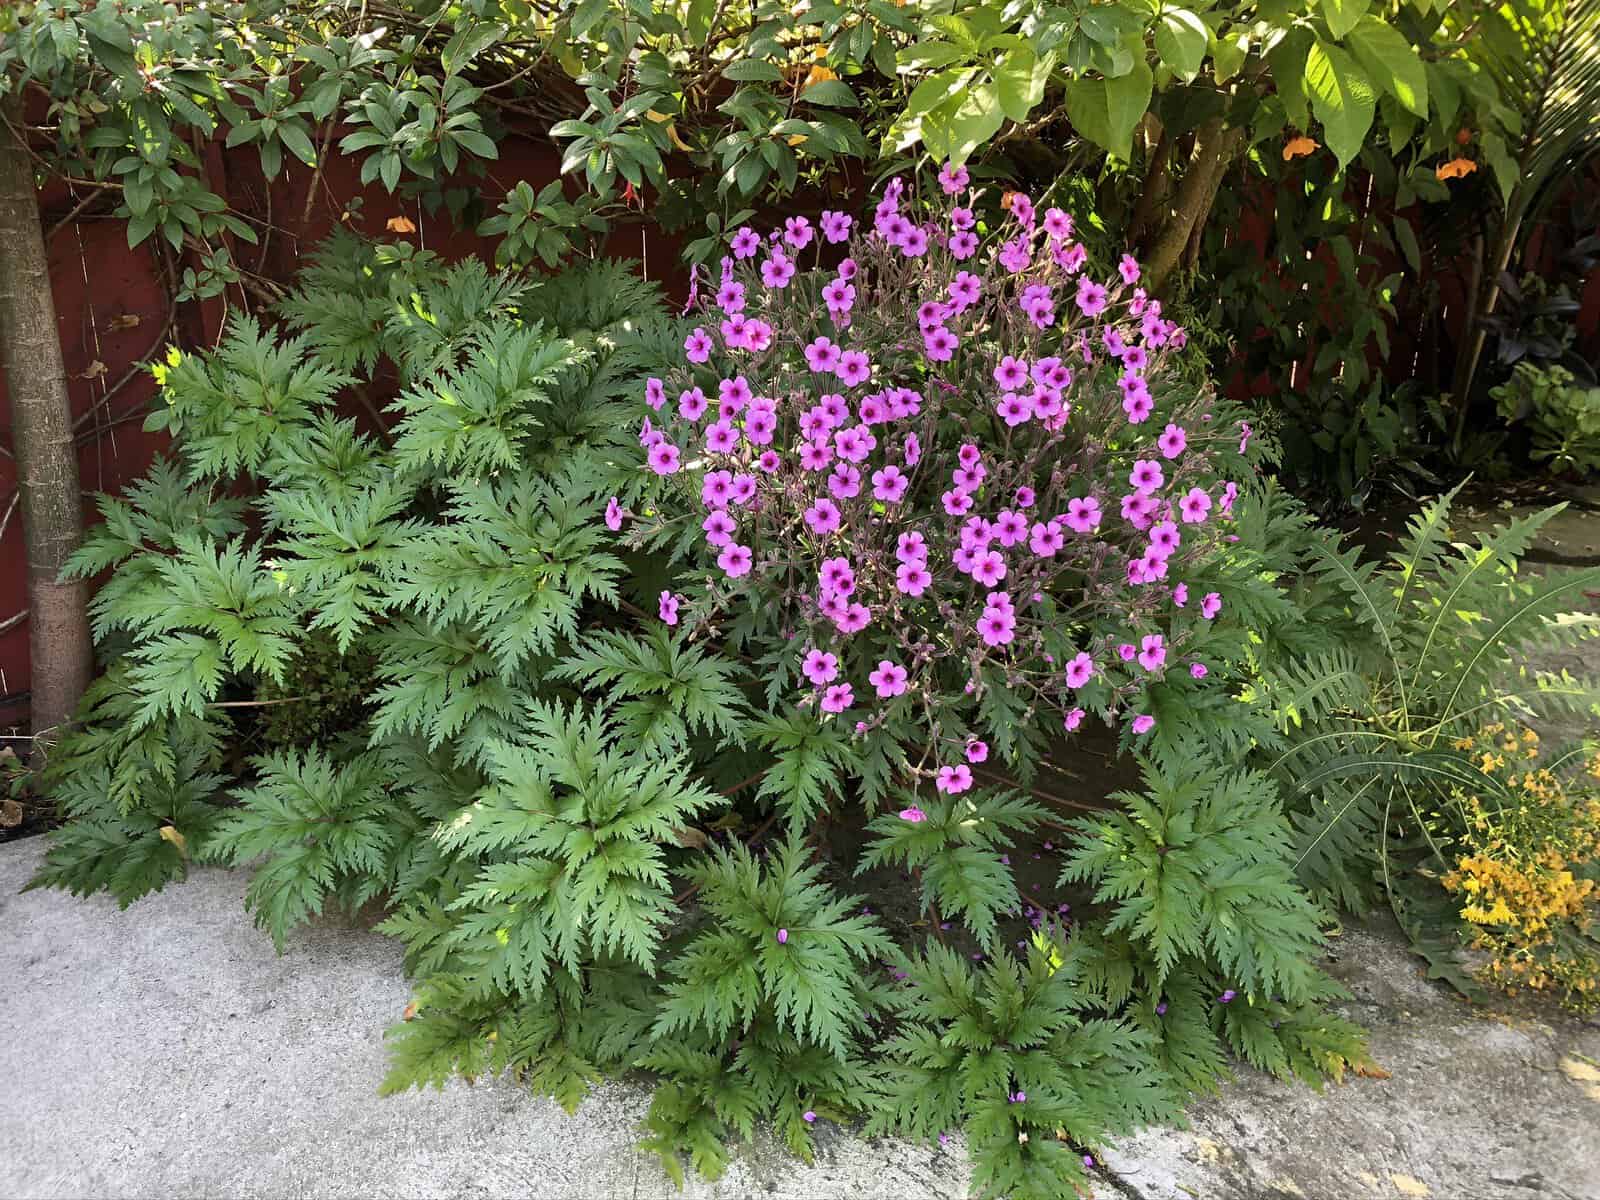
x=1227, y=996
x=808, y=1117
x=783, y=937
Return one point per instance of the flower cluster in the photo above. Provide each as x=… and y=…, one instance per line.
x=1527, y=858
x=947, y=461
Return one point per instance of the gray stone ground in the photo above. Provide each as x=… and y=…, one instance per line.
x=169, y=1052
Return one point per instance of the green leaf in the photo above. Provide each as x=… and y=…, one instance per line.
x=1181, y=39
x=1019, y=79
x=1391, y=63
x=834, y=93
x=1342, y=98
x=1343, y=15
x=749, y=70
x=1106, y=111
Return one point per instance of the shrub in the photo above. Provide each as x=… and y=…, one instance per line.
x=611, y=840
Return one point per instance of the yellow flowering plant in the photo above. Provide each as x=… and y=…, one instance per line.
x=1525, y=854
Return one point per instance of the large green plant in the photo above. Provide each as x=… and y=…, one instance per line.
x=557, y=801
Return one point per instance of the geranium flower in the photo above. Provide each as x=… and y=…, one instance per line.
x=844, y=482
x=1210, y=605
x=889, y=680
x=1083, y=514
x=954, y=780
x=835, y=226
x=1198, y=670
x=1143, y=723
x=889, y=485
x=777, y=271
x=1172, y=441
x=1091, y=297
x=614, y=512
x=820, y=667
x=913, y=814
x=1080, y=669
x=838, y=698
x=952, y=179
x=663, y=458
x=854, y=368
x=745, y=243
x=1153, y=652
x=912, y=578
x=735, y=560
x=667, y=608
x=692, y=404
x=1146, y=475
x=1073, y=719
x=939, y=344
x=1128, y=268
x=797, y=232
x=1195, y=506
x=822, y=356
x=977, y=751
x=822, y=516
x=1046, y=538
x=719, y=528
x=697, y=346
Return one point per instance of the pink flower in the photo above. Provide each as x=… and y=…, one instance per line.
x=1080, y=670
x=691, y=404
x=655, y=393
x=1127, y=651
x=759, y=425
x=954, y=780
x=1023, y=498
x=956, y=503
x=837, y=576
x=1230, y=493
x=719, y=527
x=939, y=344
x=1244, y=435
x=1046, y=538
x=1083, y=515
x=1146, y=475
x=663, y=458
x=783, y=936
x=735, y=560
x=913, y=450
x=777, y=271
x=769, y=462
x=996, y=627
x=721, y=437
x=822, y=356
x=1137, y=405
x=912, y=578
x=854, y=619
x=1073, y=719
x=839, y=295
x=1010, y=527
x=1198, y=670
x=914, y=815
x=953, y=178
x=745, y=243
x=1128, y=268
x=1195, y=506
x=1180, y=595
x=1210, y=605
x=854, y=444
x=963, y=245
x=730, y=296
x=1137, y=509
x=1057, y=223
x=1172, y=441
x=1012, y=373
x=962, y=218
x=889, y=679
x=964, y=290
x=989, y=569
x=844, y=482
x=1153, y=652
x=1013, y=409
x=667, y=608
x=1091, y=297
x=835, y=226
x=613, y=514
x=797, y=232
x=889, y=485
x=697, y=346
x=1164, y=540
x=815, y=456
x=854, y=368
x=1144, y=723
x=820, y=667
x=977, y=751
x=913, y=241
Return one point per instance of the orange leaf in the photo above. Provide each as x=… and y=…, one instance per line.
x=400, y=225
x=817, y=75
x=1298, y=147
x=1456, y=168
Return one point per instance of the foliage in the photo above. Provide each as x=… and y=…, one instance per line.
x=1438, y=645
x=562, y=801
x=1562, y=414
x=1527, y=865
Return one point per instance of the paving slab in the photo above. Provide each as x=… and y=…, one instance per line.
x=168, y=1051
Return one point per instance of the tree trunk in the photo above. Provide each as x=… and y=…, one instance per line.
x=1214, y=151
x=41, y=438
